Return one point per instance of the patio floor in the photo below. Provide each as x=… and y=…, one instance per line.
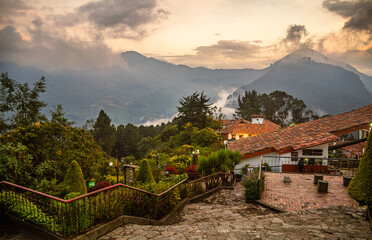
x=301, y=193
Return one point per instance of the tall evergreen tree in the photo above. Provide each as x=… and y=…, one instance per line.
x=249, y=104
x=360, y=187
x=131, y=140
x=104, y=132
x=58, y=116
x=194, y=109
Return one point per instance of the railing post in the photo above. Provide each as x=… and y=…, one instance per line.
x=259, y=179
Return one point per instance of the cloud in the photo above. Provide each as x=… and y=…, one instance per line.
x=229, y=49
x=10, y=9
x=295, y=33
x=52, y=51
x=359, y=13
x=223, y=54
x=119, y=18
x=295, y=39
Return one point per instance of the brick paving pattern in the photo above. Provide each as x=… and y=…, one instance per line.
x=301, y=193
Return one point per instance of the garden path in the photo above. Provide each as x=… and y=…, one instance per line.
x=225, y=215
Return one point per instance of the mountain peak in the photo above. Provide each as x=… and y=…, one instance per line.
x=307, y=53
x=133, y=54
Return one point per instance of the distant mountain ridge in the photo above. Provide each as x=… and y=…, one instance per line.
x=146, y=89
x=325, y=85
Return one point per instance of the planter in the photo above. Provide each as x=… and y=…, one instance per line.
x=347, y=180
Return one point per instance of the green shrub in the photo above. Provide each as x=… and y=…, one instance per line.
x=245, y=169
x=268, y=168
x=144, y=174
x=74, y=179
x=221, y=161
x=250, y=182
x=20, y=206
x=52, y=188
x=360, y=187
x=113, y=179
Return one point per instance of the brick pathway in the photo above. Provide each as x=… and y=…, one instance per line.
x=301, y=193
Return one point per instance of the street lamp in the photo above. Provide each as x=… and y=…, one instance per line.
x=195, y=157
x=111, y=164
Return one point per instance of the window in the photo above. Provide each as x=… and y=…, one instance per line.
x=313, y=152
x=294, y=156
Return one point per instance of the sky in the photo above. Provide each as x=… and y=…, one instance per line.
x=83, y=34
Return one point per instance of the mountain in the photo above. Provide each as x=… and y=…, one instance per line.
x=142, y=89
x=325, y=85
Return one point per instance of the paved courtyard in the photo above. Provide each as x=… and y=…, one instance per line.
x=301, y=193
x=225, y=215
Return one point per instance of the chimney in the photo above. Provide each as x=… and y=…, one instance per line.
x=257, y=119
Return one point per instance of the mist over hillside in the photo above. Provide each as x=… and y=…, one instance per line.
x=323, y=84
x=144, y=89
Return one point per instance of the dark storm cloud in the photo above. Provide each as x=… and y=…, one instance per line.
x=10, y=42
x=10, y=9
x=295, y=33
x=358, y=12
x=49, y=51
x=121, y=17
x=295, y=38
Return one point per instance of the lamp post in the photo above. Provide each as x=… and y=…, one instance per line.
x=225, y=143
x=195, y=157
x=111, y=164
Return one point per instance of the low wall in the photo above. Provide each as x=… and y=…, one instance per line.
x=308, y=168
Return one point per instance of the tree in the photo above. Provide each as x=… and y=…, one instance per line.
x=104, y=133
x=278, y=107
x=15, y=164
x=194, y=109
x=19, y=103
x=53, y=147
x=144, y=174
x=249, y=104
x=360, y=187
x=74, y=179
x=131, y=140
x=58, y=116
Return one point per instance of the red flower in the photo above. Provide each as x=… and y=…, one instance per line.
x=172, y=170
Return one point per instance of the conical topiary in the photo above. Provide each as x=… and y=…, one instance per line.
x=74, y=179
x=360, y=187
x=144, y=173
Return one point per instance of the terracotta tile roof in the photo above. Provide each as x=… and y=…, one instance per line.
x=225, y=122
x=242, y=126
x=356, y=149
x=305, y=135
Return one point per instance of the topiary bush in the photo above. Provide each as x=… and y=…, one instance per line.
x=360, y=187
x=172, y=170
x=98, y=186
x=74, y=179
x=144, y=174
x=250, y=182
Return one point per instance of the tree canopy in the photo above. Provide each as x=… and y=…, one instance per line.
x=20, y=105
x=194, y=109
x=278, y=107
x=104, y=132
